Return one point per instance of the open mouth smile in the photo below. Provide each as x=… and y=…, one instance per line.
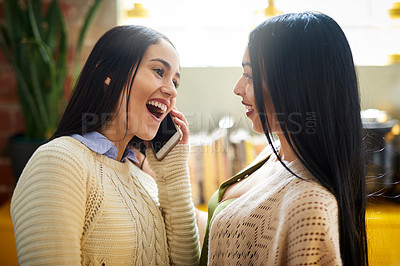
x=156, y=108
x=249, y=108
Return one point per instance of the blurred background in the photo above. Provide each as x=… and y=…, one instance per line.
x=210, y=37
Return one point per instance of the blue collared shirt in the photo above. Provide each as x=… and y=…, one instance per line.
x=102, y=145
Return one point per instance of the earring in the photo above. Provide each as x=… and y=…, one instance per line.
x=107, y=81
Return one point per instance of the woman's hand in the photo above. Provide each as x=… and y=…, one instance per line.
x=182, y=124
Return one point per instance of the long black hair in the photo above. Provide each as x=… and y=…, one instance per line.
x=116, y=57
x=303, y=62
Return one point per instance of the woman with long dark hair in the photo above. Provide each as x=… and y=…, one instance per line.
x=304, y=203
x=83, y=197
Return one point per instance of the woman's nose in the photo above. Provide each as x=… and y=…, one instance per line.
x=239, y=86
x=169, y=90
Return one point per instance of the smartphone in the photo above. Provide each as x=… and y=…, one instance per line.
x=168, y=135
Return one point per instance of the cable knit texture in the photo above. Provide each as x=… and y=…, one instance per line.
x=285, y=221
x=73, y=206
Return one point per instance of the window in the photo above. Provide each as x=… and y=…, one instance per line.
x=214, y=32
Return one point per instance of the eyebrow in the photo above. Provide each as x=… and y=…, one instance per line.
x=166, y=64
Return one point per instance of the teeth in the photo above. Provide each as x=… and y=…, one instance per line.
x=162, y=106
x=249, y=107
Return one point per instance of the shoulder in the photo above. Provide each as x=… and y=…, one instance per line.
x=304, y=191
x=299, y=191
x=308, y=191
x=304, y=198
x=57, y=170
x=63, y=157
x=65, y=149
x=308, y=204
x=64, y=145
x=309, y=219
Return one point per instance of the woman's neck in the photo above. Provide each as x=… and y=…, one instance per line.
x=121, y=146
x=120, y=141
x=285, y=151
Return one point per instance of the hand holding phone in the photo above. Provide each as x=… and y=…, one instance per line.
x=182, y=123
x=167, y=137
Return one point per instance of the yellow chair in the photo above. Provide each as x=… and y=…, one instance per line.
x=383, y=233
x=8, y=252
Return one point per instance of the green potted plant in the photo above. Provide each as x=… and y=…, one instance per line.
x=34, y=39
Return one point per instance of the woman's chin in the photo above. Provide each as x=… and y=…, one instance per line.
x=257, y=128
x=147, y=136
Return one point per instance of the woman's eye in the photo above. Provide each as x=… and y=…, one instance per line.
x=159, y=71
x=247, y=76
x=176, y=84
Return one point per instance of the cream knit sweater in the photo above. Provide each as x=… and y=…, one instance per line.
x=284, y=221
x=73, y=206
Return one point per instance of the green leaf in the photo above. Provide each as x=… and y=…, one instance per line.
x=36, y=7
x=30, y=106
x=27, y=103
x=38, y=94
x=61, y=63
x=52, y=22
x=13, y=16
x=5, y=42
x=36, y=45
x=44, y=49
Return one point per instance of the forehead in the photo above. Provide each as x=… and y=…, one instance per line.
x=162, y=50
x=246, y=58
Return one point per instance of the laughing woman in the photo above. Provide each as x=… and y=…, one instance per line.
x=83, y=198
x=304, y=204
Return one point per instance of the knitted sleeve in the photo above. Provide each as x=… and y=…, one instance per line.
x=310, y=227
x=172, y=177
x=48, y=208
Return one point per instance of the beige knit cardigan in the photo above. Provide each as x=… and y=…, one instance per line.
x=284, y=221
x=73, y=206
